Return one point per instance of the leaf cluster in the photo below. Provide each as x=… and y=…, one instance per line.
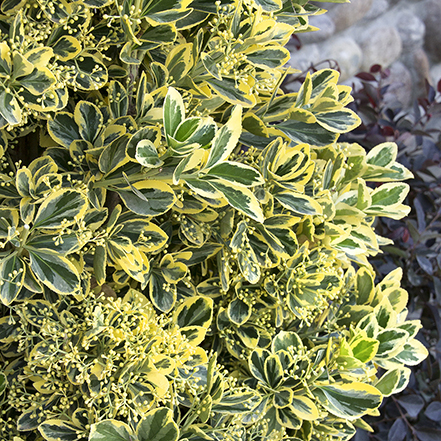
x=416, y=239
x=184, y=247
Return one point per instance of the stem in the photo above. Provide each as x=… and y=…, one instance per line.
x=133, y=75
x=191, y=419
x=25, y=234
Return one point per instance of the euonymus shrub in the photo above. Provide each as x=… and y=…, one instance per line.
x=184, y=248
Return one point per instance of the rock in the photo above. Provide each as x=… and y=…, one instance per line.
x=346, y=52
x=435, y=74
x=303, y=58
x=431, y=16
x=326, y=29
x=399, y=93
x=411, y=30
x=345, y=15
x=421, y=70
x=378, y=8
x=418, y=64
x=380, y=45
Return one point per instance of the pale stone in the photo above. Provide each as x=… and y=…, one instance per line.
x=411, y=30
x=435, y=74
x=303, y=58
x=346, y=52
x=380, y=45
x=418, y=64
x=431, y=15
x=326, y=29
x=345, y=15
x=378, y=8
x=399, y=93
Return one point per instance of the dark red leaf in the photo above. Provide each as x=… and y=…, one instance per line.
x=385, y=73
x=375, y=68
x=405, y=237
x=387, y=131
x=424, y=102
x=296, y=41
x=365, y=76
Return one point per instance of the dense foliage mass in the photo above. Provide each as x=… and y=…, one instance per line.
x=184, y=247
x=415, y=412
